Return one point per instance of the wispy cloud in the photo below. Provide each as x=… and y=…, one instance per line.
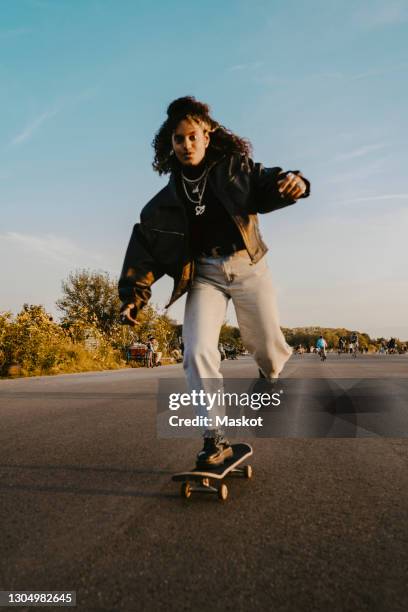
x=73, y=99
x=359, y=152
x=54, y=248
x=32, y=127
x=380, y=14
x=68, y=101
x=378, y=198
x=358, y=173
x=335, y=77
x=245, y=67
x=391, y=69
x=4, y=34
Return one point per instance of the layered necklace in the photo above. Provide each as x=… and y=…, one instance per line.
x=194, y=190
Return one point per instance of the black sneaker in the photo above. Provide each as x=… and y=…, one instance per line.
x=214, y=451
x=263, y=384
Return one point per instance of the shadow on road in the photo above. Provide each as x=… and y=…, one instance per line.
x=83, y=468
x=78, y=491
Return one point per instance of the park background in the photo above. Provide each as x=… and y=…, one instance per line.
x=317, y=86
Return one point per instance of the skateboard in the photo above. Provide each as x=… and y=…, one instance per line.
x=210, y=480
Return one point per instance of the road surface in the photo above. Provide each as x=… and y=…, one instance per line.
x=87, y=504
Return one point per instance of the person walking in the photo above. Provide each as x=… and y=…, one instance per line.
x=202, y=230
x=149, y=354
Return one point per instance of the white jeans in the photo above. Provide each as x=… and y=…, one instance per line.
x=251, y=289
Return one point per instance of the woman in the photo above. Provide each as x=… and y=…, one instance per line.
x=202, y=229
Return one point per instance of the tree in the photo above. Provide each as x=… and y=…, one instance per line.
x=153, y=323
x=90, y=299
x=231, y=335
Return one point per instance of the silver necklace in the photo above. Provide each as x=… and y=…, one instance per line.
x=197, y=187
x=196, y=180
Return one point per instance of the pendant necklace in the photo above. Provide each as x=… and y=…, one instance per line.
x=197, y=187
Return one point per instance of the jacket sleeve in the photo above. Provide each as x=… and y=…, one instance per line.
x=264, y=187
x=140, y=270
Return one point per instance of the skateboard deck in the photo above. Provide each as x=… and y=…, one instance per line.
x=200, y=479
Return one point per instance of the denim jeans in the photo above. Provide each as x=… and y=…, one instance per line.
x=251, y=290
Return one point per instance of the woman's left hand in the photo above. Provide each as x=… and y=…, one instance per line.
x=292, y=186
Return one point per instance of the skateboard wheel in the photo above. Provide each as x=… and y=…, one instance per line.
x=248, y=471
x=223, y=492
x=185, y=490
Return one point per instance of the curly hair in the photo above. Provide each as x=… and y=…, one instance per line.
x=221, y=140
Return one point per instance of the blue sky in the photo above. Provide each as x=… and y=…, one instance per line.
x=319, y=86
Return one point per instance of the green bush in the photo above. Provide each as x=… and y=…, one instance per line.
x=32, y=344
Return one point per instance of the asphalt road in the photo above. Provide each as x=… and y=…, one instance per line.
x=87, y=504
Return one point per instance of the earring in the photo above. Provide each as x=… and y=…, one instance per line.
x=172, y=152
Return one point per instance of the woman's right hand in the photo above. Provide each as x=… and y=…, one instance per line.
x=128, y=315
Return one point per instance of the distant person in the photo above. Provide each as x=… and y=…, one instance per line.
x=157, y=354
x=177, y=355
x=149, y=354
x=299, y=350
x=222, y=351
x=354, y=343
x=321, y=346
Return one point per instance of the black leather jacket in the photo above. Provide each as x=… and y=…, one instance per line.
x=159, y=244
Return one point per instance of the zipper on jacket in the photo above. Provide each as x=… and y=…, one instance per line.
x=234, y=220
x=153, y=229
